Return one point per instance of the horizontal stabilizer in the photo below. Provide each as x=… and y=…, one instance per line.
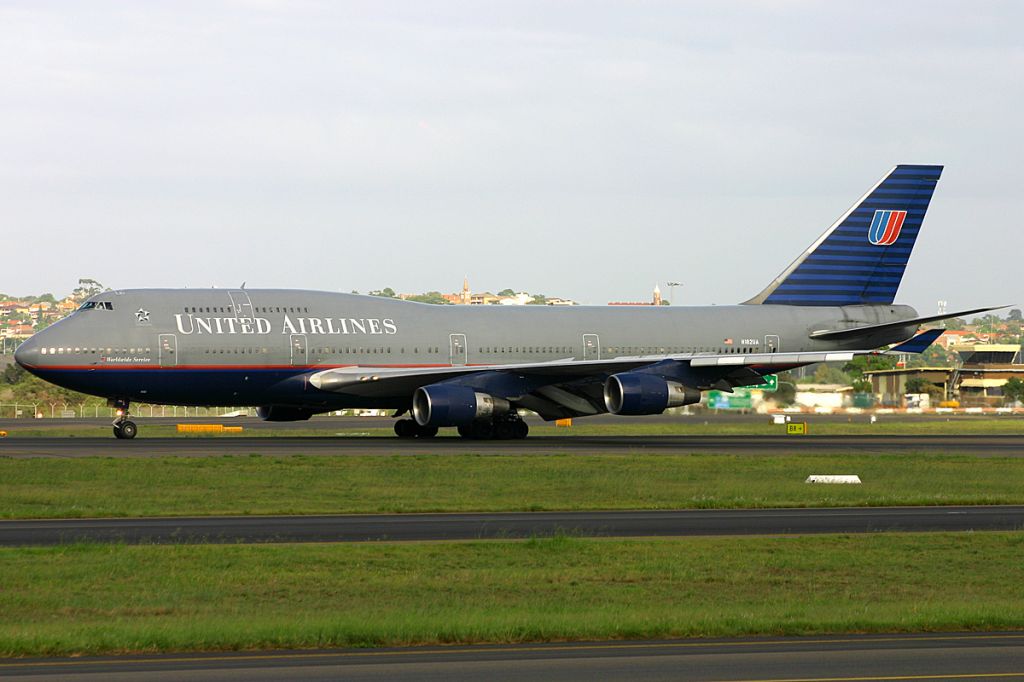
x=919, y=343
x=853, y=332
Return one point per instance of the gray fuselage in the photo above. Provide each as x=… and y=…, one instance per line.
x=256, y=347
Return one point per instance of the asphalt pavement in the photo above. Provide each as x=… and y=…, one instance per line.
x=425, y=527
x=952, y=656
x=977, y=445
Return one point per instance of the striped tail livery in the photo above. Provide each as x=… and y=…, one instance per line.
x=860, y=259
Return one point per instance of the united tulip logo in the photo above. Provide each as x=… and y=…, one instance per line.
x=885, y=227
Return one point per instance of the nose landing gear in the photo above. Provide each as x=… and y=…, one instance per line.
x=124, y=427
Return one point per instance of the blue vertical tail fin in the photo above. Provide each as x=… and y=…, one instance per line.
x=860, y=259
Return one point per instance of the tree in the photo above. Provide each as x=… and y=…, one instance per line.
x=862, y=386
x=506, y=292
x=862, y=363
x=13, y=374
x=86, y=288
x=538, y=299
x=1013, y=390
x=955, y=324
x=917, y=385
x=386, y=292
x=433, y=297
x=828, y=374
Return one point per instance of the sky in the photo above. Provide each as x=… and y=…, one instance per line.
x=582, y=149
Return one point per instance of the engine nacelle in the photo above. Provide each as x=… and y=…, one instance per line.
x=440, y=405
x=282, y=413
x=632, y=393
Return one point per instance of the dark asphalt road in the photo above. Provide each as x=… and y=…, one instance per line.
x=327, y=422
x=850, y=657
x=985, y=445
x=424, y=527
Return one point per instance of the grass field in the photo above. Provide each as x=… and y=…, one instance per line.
x=94, y=599
x=695, y=426
x=93, y=487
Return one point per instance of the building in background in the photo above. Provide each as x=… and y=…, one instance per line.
x=977, y=381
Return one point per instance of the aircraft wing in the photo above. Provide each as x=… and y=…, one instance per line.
x=569, y=387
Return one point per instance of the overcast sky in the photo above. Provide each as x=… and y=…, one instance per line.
x=589, y=150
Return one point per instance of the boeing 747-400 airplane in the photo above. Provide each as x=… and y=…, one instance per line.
x=294, y=354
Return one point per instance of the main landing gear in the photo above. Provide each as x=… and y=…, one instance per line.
x=124, y=427
x=502, y=428
x=408, y=428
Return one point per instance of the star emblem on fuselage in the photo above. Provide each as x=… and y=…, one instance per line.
x=142, y=315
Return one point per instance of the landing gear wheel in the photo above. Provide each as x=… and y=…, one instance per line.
x=426, y=431
x=405, y=428
x=504, y=430
x=125, y=430
x=482, y=430
x=520, y=430
x=124, y=427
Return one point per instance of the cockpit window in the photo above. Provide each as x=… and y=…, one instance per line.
x=88, y=305
x=97, y=305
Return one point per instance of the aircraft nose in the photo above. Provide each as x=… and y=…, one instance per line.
x=27, y=354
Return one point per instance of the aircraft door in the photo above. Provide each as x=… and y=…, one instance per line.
x=591, y=347
x=167, y=350
x=299, y=349
x=771, y=343
x=241, y=306
x=457, y=349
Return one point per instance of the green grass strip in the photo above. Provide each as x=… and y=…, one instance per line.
x=96, y=599
x=104, y=487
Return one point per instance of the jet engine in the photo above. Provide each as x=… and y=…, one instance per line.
x=632, y=393
x=441, y=405
x=281, y=413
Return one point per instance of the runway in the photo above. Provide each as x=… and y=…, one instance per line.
x=845, y=658
x=108, y=446
x=432, y=527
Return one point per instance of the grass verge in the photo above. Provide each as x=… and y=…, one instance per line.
x=96, y=599
x=176, y=486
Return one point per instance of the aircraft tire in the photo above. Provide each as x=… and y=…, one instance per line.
x=520, y=430
x=117, y=432
x=406, y=428
x=504, y=431
x=426, y=431
x=127, y=430
x=483, y=430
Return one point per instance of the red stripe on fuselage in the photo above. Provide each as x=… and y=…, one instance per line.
x=44, y=368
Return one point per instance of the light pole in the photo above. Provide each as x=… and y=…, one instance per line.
x=672, y=291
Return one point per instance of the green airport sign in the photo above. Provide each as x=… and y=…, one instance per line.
x=771, y=383
x=740, y=400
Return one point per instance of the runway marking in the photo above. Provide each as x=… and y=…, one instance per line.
x=965, y=676
x=601, y=646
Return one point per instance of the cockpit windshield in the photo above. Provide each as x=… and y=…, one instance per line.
x=97, y=305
